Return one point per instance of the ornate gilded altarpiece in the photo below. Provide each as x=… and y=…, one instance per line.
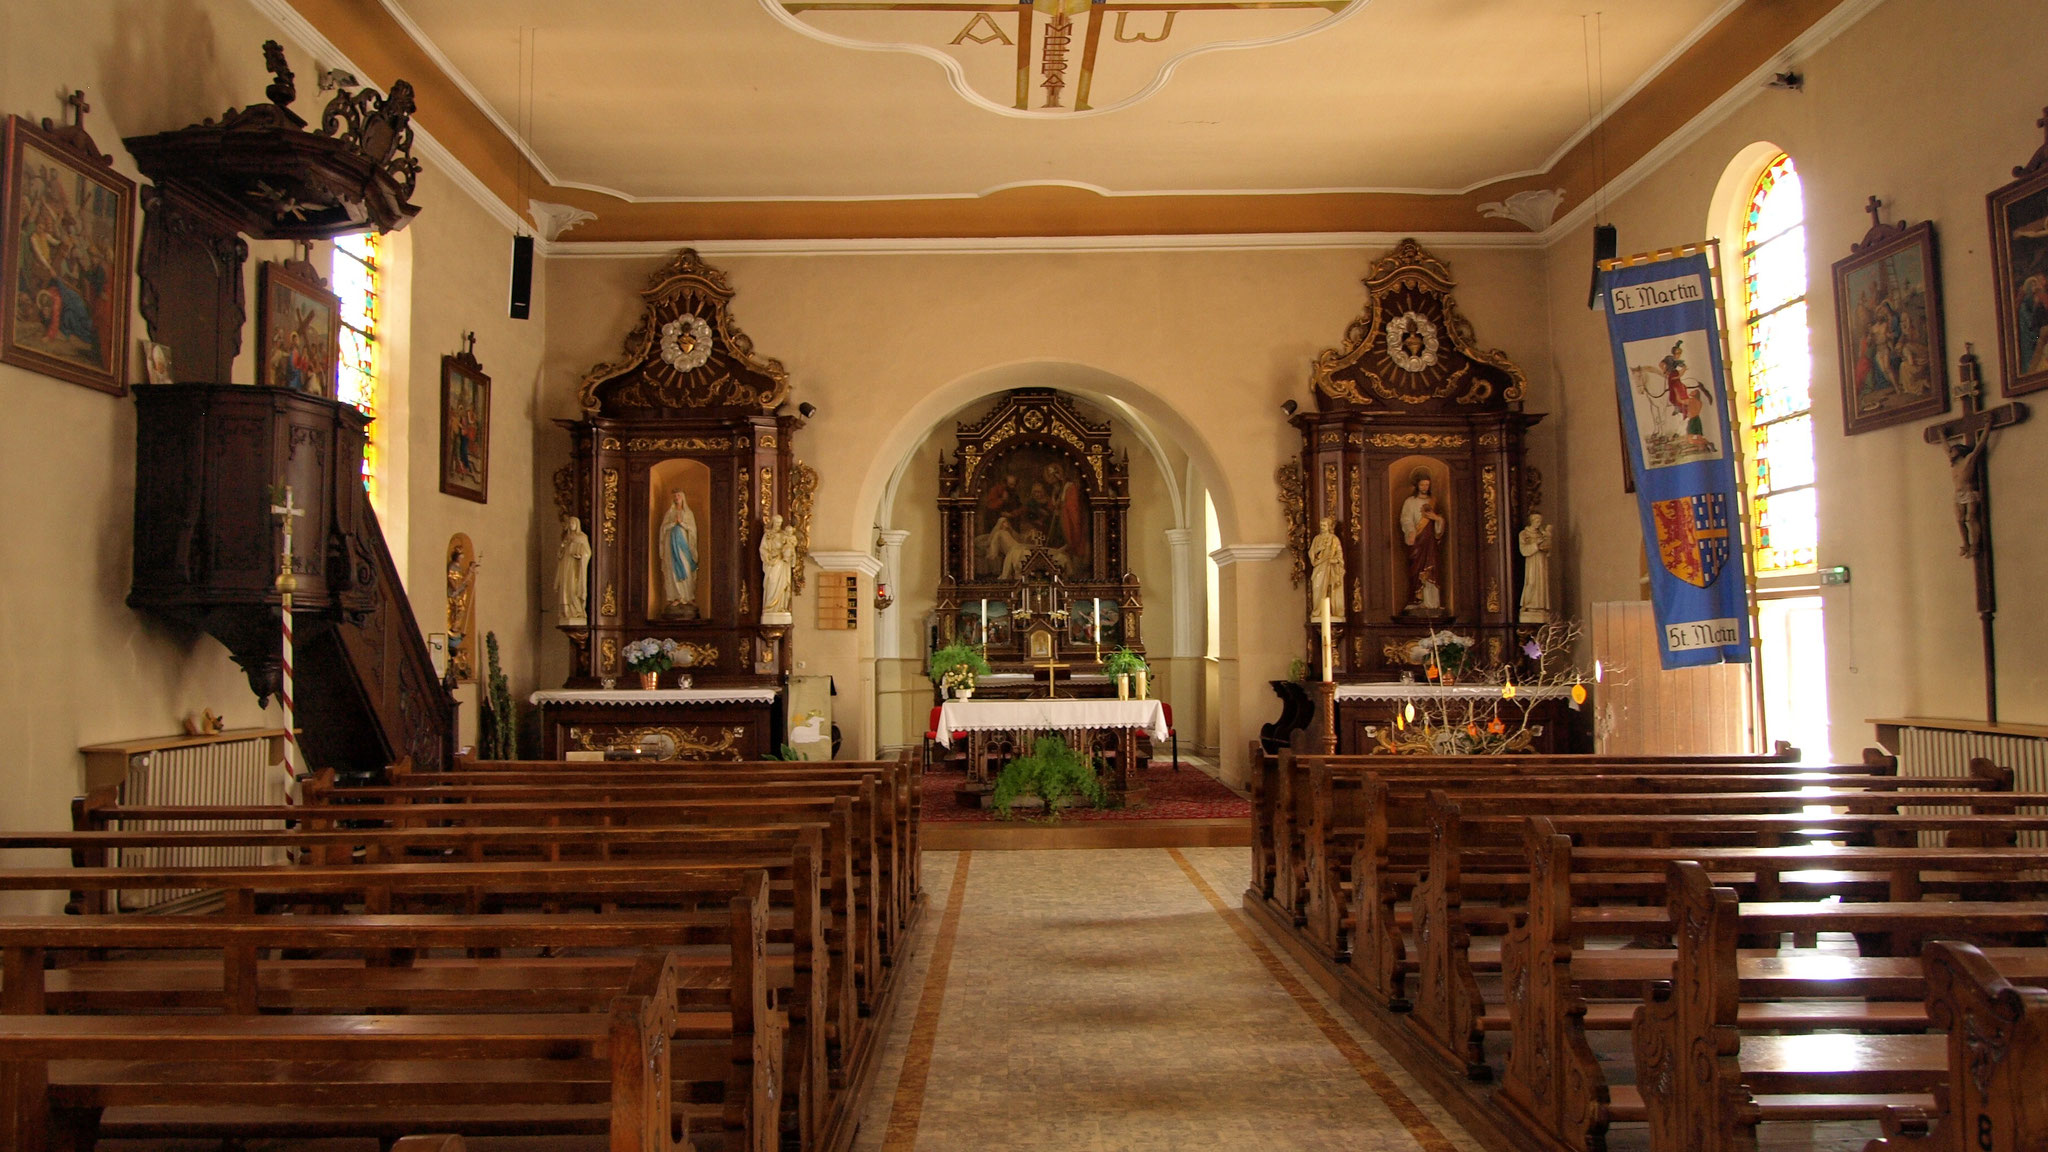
x=1032, y=507
x=682, y=455
x=1412, y=394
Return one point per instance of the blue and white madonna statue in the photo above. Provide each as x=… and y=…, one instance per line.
x=676, y=544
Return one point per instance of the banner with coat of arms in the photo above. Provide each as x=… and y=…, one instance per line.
x=1678, y=431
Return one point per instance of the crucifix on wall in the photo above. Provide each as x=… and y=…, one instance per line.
x=1967, y=440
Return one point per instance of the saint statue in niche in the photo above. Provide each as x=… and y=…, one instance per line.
x=675, y=542
x=1422, y=532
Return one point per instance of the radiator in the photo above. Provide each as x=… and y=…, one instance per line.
x=231, y=768
x=1945, y=752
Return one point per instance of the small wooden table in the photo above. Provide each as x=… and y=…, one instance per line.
x=982, y=719
x=736, y=723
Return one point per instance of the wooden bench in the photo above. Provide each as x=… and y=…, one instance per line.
x=676, y=888
x=385, y=1068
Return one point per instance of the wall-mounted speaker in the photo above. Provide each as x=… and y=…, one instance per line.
x=522, y=277
x=1606, y=246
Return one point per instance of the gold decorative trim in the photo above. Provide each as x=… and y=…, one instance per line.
x=732, y=376
x=1414, y=440
x=1489, y=502
x=698, y=655
x=610, y=528
x=1409, y=286
x=768, y=440
x=1492, y=594
x=683, y=743
x=1329, y=490
x=609, y=606
x=611, y=444
x=608, y=655
x=1294, y=508
x=1357, y=507
x=678, y=444
x=1489, y=440
x=803, y=493
x=565, y=491
x=745, y=491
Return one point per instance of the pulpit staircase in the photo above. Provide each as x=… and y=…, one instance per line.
x=210, y=459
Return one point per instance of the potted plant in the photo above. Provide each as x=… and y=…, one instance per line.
x=1444, y=654
x=650, y=657
x=1054, y=772
x=1128, y=669
x=954, y=668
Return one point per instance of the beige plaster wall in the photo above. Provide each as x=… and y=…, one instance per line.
x=1204, y=345
x=1920, y=104
x=80, y=666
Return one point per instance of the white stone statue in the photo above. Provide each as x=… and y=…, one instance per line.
x=778, y=560
x=572, y=572
x=1326, y=572
x=676, y=544
x=1534, y=542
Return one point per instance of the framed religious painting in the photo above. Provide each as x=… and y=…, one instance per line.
x=68, y=248
x=298, y=329
x=2019, y=263
x=465, y=425
x=1888, y=321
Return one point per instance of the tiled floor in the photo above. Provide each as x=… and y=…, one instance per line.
x=1116, y=1000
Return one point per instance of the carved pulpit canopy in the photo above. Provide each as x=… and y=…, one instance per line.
x=686, y=354
x=1411, y=350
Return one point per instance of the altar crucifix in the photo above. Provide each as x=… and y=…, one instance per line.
x=1967, y=440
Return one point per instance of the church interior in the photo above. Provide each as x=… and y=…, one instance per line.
x=1056, y=574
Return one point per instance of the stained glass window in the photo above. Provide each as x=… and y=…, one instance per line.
x=356, y=281
x=1786, y=528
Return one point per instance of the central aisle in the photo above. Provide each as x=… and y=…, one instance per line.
x=1116, y=1000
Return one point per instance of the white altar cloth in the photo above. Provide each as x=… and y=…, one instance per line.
x=1414, y=691
x=1051, y=716
x=628, y=697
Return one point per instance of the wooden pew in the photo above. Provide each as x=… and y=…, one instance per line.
x=675, y=887
x=1997, y=1061
x=619, y=1059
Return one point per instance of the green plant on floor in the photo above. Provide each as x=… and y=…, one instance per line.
x=1123, y=662
x=1052, y=772
x=956, y=665
x=500, y=728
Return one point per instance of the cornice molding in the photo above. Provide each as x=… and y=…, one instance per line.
x=1024, y=245
x=861, y=562
x=1246, y=554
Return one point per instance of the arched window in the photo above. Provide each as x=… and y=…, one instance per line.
x=1780, y=373
x=358, y=281
x=1785, y=528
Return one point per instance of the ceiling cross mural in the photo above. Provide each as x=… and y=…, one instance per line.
x=1049, y=58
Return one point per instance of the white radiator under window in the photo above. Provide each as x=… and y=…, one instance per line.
x=1930, y=751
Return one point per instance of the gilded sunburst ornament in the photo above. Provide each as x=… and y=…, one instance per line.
x=1411, y=342
x=686, y=342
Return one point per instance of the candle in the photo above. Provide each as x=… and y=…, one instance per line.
x=1098, y=629
x=984, y=621
x=1326, y=638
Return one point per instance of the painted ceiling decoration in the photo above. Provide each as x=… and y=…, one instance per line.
x=1059, y=58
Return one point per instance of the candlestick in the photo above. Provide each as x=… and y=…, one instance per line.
x=1326, y=637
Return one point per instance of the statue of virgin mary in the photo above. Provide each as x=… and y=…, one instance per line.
x=676, y=543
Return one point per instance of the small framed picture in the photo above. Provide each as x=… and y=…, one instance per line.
x=156, y=362
x=298, y=329
x=1888, y=319
x=465, y=425
x=2019, y=263
x=67, y=246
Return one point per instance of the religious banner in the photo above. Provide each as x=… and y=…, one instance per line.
x=1678, y=433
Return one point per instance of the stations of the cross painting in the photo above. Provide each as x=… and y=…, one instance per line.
x=1967, y=440
x=1059, y=57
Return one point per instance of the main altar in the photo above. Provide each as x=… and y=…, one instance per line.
x=1003, y=729
x=684, y=469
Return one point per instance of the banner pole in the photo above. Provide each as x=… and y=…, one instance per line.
x=1759, y=723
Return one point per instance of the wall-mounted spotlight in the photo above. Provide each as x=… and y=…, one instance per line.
x=1289, y=407
x=807, y=409
x=1789, y=81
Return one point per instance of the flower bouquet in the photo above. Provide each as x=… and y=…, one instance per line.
x=1443, y=653
x=650, y=657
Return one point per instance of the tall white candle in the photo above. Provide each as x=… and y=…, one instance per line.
x=984, y=622
x=1326, y=637
x=1098, y=628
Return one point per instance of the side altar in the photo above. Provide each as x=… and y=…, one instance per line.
x=698, y=513
x=1413, y=520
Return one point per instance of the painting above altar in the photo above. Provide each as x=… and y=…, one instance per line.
x=1027, y=499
